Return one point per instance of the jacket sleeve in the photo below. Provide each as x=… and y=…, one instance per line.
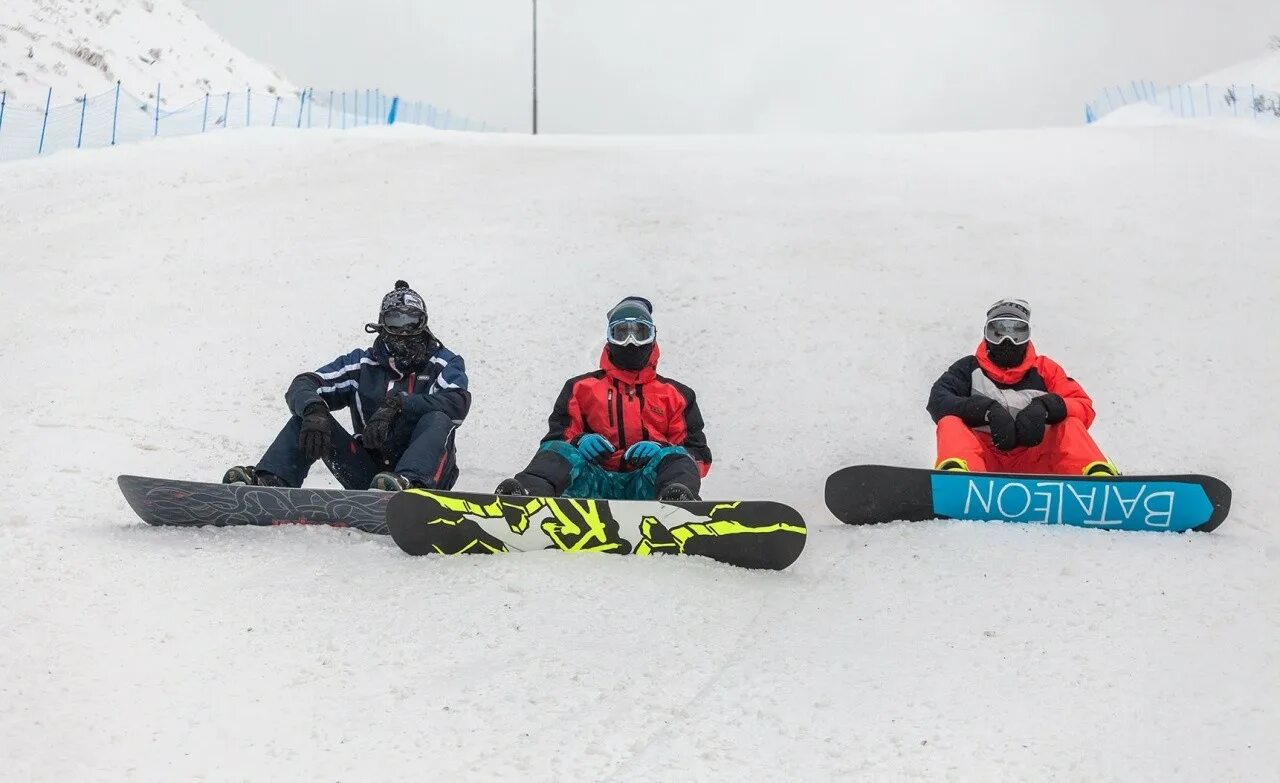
x=1056, y=381
x=565, y=422
x=334, y=384
x=447, y=394
x=952, y=389
x=688, y=430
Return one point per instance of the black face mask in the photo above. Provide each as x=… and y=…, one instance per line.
x=630, y=357
x=410, y=352
x=1006, y=353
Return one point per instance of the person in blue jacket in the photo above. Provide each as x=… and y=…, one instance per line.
x=407, y=395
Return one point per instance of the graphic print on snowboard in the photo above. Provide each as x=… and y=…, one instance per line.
x=192, y=503
x=871, y=494
x=749, y=534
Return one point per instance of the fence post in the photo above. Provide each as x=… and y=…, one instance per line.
x=157, y=131
x=84, y=103
x=204, y=122
x=1107, y=92
x=344, y=110
x=275, y=112
x=48, y=100
x=395, y=106
x=311, y=101
x=1191, y=99
x=378, y=113
x=302, y=104
x=368, y=106
x=115, y=114
x=1208, y=101
x=4, y=98
x=226, y=112
x=330, y=125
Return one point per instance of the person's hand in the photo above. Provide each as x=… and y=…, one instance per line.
x=595, y=446
x=315, y=437
x=643, y=451
x=378, y=429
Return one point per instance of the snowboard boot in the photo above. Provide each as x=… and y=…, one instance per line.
x=675, y=492
x=248, y=474
x=390, y=482
x=510, y=487
x=1100, y=469
x=953, y=464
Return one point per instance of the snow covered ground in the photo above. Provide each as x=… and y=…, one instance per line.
x=85, y=46
x=157, y=299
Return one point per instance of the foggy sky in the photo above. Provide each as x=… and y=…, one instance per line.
x=744, y=65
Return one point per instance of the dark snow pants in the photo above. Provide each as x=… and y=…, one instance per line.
x=427, y=456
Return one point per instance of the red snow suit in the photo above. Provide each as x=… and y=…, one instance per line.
x=628, y=406
x=1067, y=448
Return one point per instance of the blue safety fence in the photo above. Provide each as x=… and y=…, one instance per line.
x=1188, y=101
x=118, y=116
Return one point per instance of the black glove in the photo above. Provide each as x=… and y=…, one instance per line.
x=377, y=430
x=974, y=412
x=1031, y=423
x=315, y=437
x=1004, y=431
x=1042, y=411
x=1055, y=406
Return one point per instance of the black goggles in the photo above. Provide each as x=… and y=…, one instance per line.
x=631, y=331
x=1014, y=330
x=403, y=322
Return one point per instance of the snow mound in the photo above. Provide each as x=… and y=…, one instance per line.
x=1262, y=72
x=87, y=45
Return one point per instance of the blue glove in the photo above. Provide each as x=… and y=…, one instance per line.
x=642, y=451
x=594, y=446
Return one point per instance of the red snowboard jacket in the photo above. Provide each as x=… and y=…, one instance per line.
x=628, y=406
x=1012, y=386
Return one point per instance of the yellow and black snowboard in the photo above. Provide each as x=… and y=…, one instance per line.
x=749, y=534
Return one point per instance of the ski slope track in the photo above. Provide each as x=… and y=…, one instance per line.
x=158, y=298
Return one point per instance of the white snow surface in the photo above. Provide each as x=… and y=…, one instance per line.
x=1262, y=72
x=158, y=298
x=85, y=46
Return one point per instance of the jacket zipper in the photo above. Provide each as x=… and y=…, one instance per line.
x=609, y=406
x=622, y=426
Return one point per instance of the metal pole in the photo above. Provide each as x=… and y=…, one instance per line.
x=157, y=133
x=275, y=112
x=4, y=98
x=330, y=109
x=204, y=123
x=248, y=104
x=84, y=103
x=226, y=112
x=535, y=67
x=344, y=110
x=48, y=100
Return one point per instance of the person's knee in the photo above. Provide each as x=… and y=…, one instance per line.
x=432, y=421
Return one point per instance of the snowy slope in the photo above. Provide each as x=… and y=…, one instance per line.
x=158, y=299
x=1262, y=72
x=84, y=46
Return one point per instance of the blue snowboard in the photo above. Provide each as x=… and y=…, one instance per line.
x=869, y=494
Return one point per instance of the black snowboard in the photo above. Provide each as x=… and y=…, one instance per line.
x=749, y=534
x=870, y=494
x=193, y=503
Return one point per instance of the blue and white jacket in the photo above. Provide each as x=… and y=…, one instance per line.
x=363, y=379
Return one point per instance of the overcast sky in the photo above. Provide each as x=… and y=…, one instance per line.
x=744, y=65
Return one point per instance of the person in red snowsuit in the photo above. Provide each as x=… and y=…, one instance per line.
x=621, y=432
x=1007, y=409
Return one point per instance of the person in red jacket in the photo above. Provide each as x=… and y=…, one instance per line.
x=1007, y=409
x=622, y=432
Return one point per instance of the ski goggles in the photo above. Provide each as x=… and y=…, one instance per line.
x=403, y=322
x=631, y=331
x=1015, y=330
